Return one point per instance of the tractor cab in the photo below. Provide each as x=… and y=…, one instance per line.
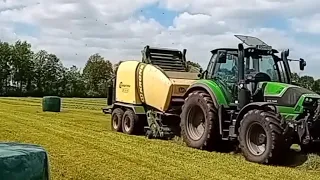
x=248, y=67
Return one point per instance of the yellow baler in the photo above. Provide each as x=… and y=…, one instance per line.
x=139, y=83
x=149, y=92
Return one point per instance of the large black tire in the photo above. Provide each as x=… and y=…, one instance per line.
x=130, y=122
x=116, y=119
x=257, y=128
x=199, y=105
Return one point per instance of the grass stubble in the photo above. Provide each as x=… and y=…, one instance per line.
x=81, y=145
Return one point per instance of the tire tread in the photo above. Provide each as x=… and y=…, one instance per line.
x=275, y=128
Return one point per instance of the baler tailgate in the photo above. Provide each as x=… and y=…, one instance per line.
x=166, y=59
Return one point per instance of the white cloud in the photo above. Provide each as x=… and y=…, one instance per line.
x=309, y=24
x=244, y=8
x=75, y=29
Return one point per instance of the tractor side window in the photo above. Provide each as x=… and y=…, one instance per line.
x=228, y=71
x=211, y=65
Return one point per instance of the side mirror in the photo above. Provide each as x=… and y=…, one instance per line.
x=302, y=64
x=222, y=56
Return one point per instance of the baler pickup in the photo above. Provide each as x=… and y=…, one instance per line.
x=166, y=59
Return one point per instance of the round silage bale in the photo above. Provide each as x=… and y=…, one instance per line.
x=23, y=161
x=51, y=104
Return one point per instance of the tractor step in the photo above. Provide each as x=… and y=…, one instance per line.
x=228, y=125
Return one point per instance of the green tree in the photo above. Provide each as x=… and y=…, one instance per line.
x=295, y=77
x=5, y=69
x=75, y=84
x=97, y=72
x=48, y=73
x=306, y=82
x=193, y=66
x=22, y=65
x=316, y=86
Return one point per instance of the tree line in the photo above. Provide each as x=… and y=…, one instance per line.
x=24, y=72
x=306, y=81
x=27, y=73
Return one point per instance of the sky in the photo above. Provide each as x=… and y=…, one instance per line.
x=119, y=29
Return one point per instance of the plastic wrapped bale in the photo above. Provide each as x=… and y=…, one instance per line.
x=51, y=104
x=23, y=162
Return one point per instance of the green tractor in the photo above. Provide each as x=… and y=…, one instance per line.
x=246, y=96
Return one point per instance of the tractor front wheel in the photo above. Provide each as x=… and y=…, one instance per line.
x=260, y=137
x=116, y=119
x=198, y=121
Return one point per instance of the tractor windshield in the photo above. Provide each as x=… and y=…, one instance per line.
x=268, y=64
x=228, y=71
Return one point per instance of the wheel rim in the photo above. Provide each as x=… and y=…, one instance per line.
x=195, y=123
x=256, y=139
x=115, y=122
x=127, y=124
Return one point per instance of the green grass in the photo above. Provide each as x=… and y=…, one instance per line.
x=81, y=145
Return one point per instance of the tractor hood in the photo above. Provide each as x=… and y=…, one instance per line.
x=286, y=94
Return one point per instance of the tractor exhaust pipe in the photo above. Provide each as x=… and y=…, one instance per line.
x=243, y=93
x=184, y=52
x=240, y=62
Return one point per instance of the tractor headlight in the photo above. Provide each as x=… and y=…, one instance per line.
x=310, y=102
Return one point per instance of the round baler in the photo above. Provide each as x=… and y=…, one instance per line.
x=146, y=97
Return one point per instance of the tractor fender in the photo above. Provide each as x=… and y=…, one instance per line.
x=202, y=87
x=251, y=106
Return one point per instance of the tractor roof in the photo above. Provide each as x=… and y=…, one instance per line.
x=236, y=50
x=227, y=49
x=251, y=42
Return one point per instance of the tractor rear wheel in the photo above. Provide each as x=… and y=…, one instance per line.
x=260, y=137
x=199, y=121
x=116, y=119
x=130, y=122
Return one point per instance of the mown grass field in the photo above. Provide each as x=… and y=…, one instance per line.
x=81, y=145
